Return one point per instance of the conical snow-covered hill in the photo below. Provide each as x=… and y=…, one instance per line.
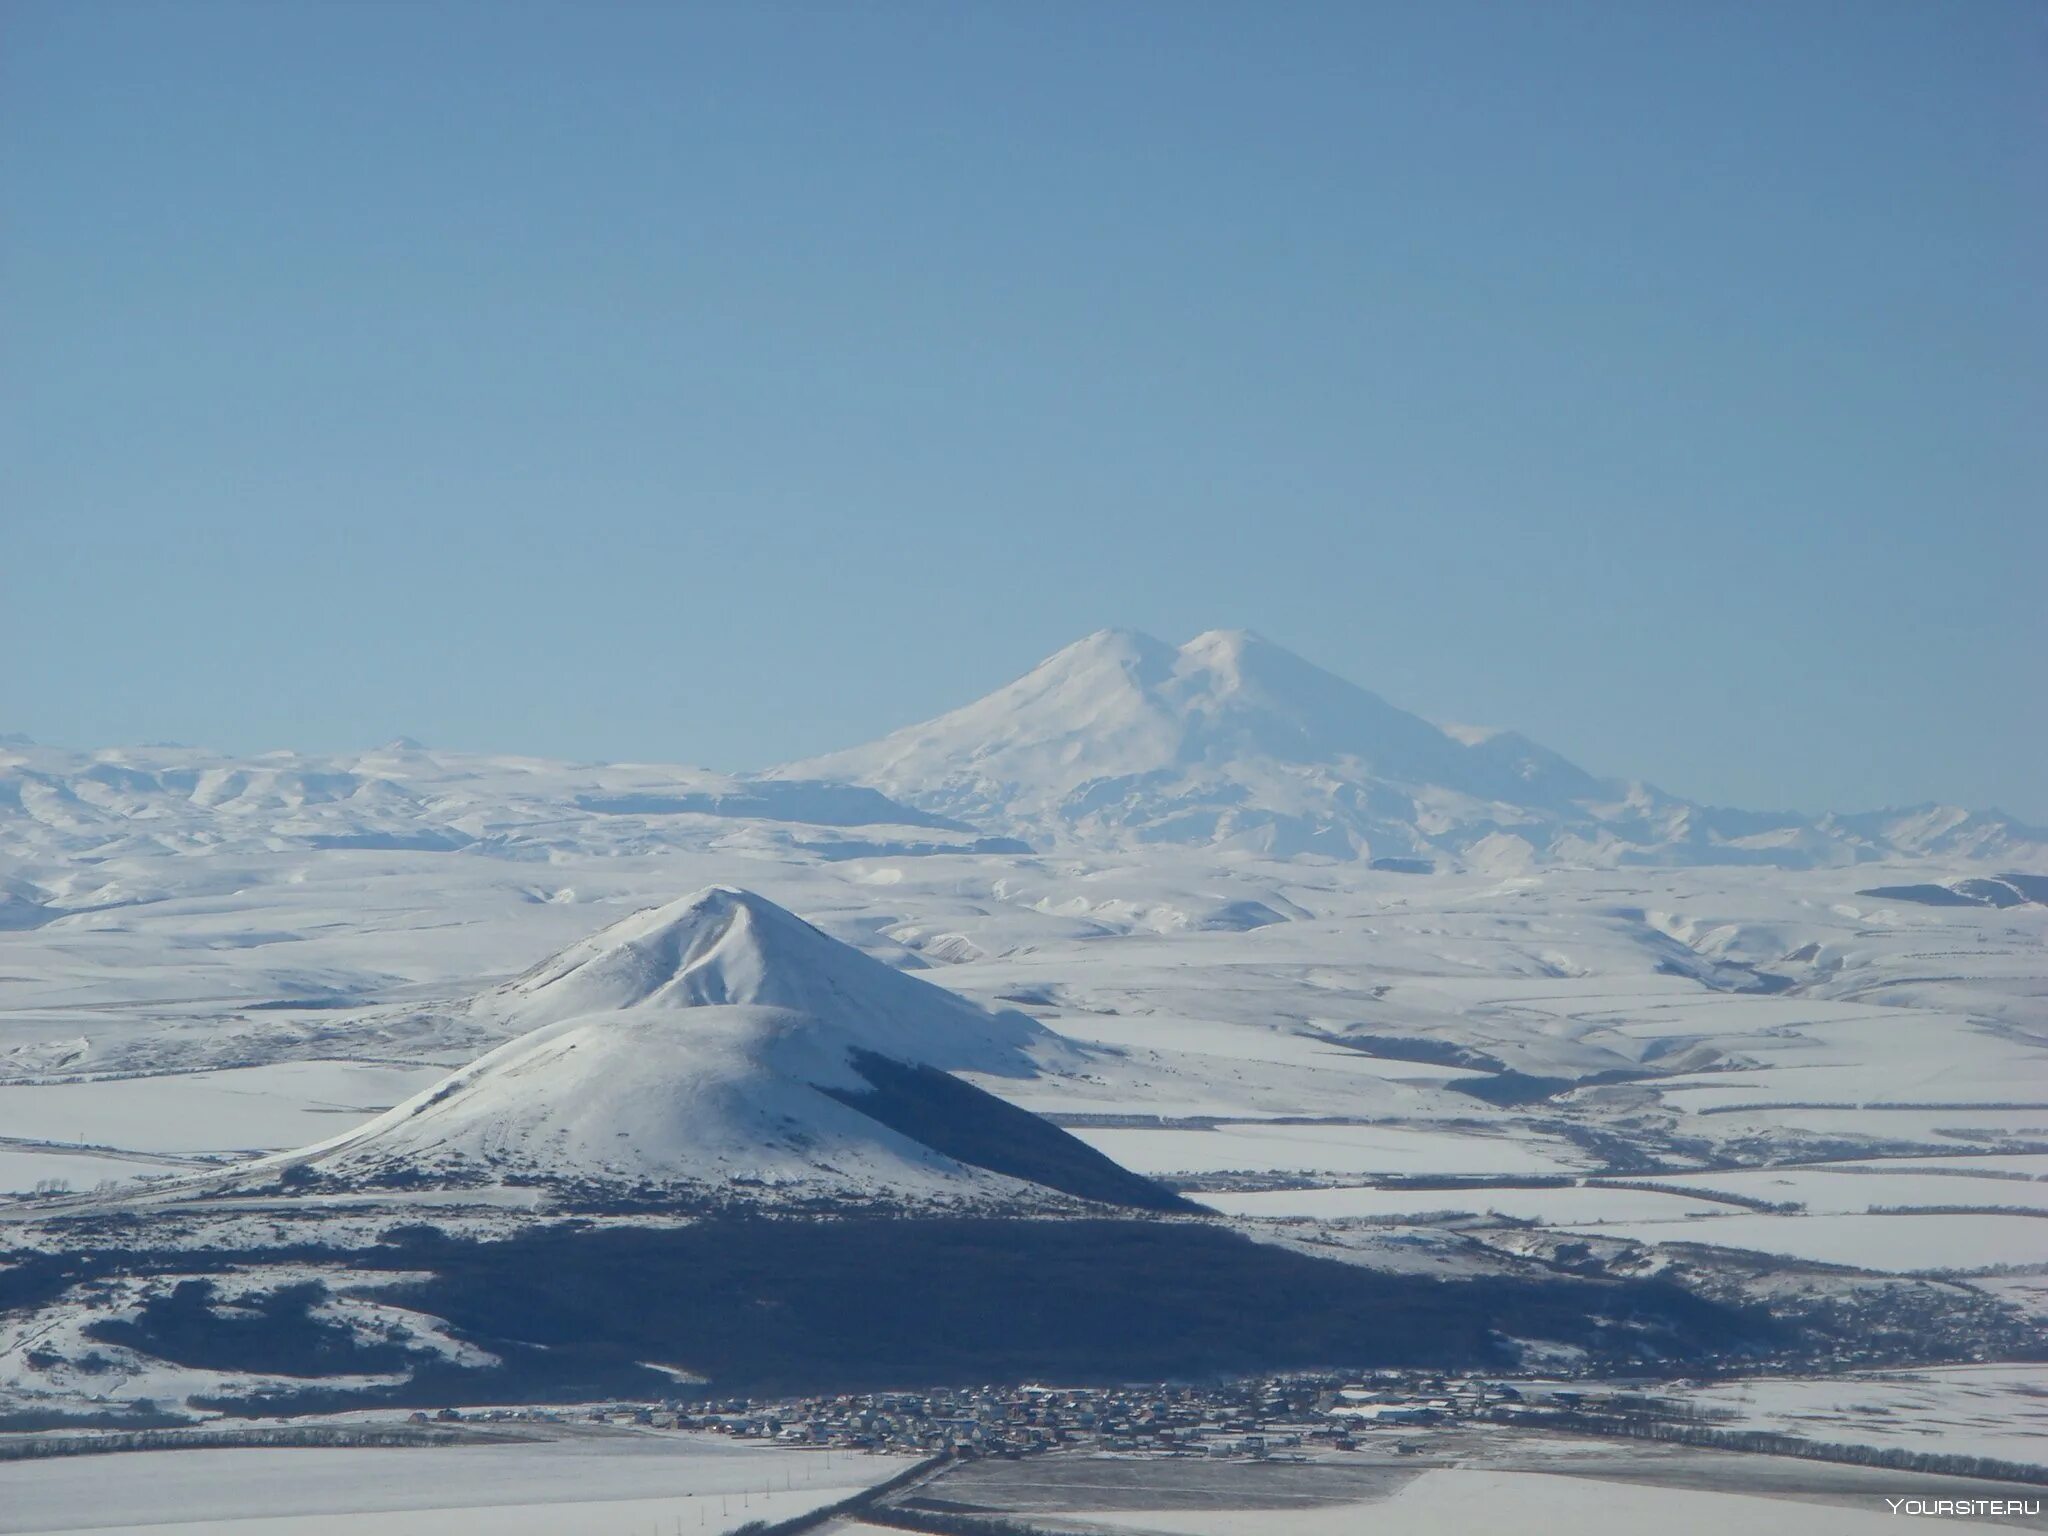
x=1231, y=740
x=724, y=947
x=721, y=1052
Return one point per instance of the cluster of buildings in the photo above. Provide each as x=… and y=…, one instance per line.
x=1276, y=1418
x=1273, y=1418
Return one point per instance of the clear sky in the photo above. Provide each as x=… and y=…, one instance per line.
x=725, y=383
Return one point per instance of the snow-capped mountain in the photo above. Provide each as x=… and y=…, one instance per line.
x=1121, y=740
x=1118, y=741
x=719, y=1051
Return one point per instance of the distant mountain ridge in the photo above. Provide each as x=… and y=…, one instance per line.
x=1119, y=741
x=61, y=808
x=1233, y=741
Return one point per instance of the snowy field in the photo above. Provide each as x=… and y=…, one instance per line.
x=1346, y=1149
x=1567, y=1206
x=586, y=1485
x=23, y=1168
x=1858, y=1187
x=175, y=1003
x=1980, y=1410
x=1894, y=1243
x=1457, y=1501
x=240, y=1110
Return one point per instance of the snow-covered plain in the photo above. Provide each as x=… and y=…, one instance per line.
x=1909, y=1243
x=239, y=1109
x=23, y=1169
x=1339, y=1149
x=596, y=1483
x=1977, y=1410
x=1453, y=1501
x=1570, y=1205
x=1853, y=1188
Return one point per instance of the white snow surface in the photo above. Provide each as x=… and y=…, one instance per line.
x=691, y=1046
x=1973, y=1410
x=1123, y=740
x=581, y=1482
x=1118, y=741
x=1451, y=1501
x=729, y=947
x=721, y=1096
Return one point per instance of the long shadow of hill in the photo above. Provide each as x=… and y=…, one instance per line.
x=761, y=1305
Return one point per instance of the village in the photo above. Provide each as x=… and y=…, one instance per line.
x=1272, y=1418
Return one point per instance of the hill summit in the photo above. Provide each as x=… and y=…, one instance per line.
x=728, y=947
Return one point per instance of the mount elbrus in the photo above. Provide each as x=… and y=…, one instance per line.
x=1124, y=740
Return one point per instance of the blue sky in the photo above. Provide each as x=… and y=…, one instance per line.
x=726, y=383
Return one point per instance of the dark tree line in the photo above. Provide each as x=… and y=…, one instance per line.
x=31, y=1448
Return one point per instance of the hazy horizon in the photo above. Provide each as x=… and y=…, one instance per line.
x=728, y=385
x=346, y=749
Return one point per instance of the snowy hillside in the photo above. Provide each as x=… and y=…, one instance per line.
x=720, y=1050
x=724, y=1103
x=1123, y=740
x=731, y=948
